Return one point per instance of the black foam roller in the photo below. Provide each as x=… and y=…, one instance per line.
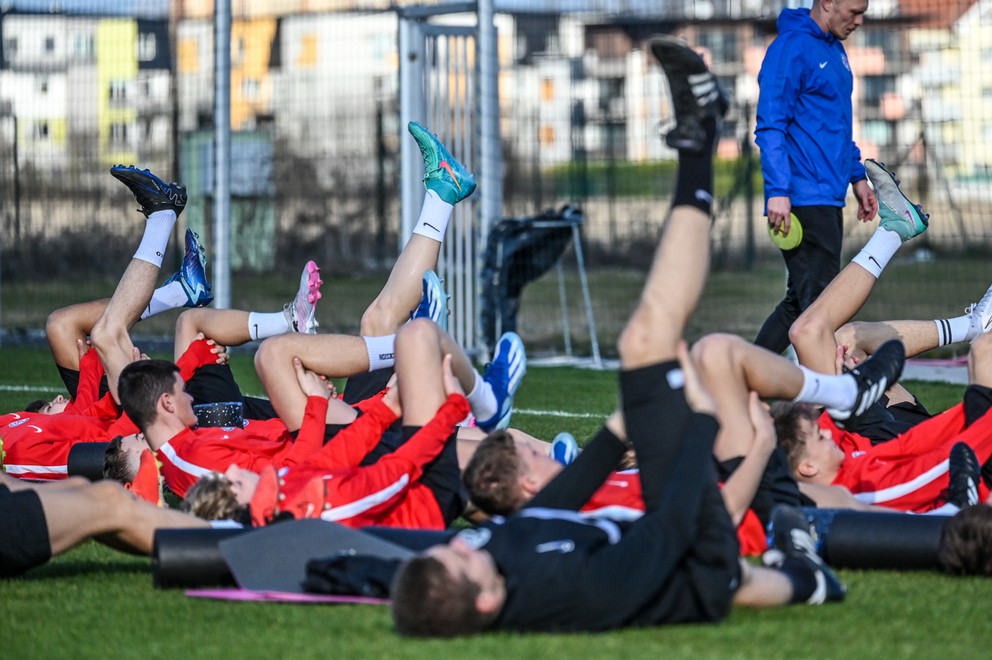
x=416, y=540
x=86, y=460
x=867, y=540
x=191, y=558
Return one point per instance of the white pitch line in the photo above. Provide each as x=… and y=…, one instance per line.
x=520, y=411
x=29, y=388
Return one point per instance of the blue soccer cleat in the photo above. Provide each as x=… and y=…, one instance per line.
x=434, y=301
x=564, y=448
x=151, y=192
x=504, y=374
x=192, y=275
x=442, y=173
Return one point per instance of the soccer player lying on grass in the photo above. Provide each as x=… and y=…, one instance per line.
x=415, y=486
x=826, y=328
x=37, y=446
x=731, y=366
x=545, y=567
x=41, y=520
x=909, y=472
x=505, y=473
x=37, y=442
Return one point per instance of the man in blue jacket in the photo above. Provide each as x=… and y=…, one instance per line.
x=808, y=155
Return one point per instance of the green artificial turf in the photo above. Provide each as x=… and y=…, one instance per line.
x=95, y=602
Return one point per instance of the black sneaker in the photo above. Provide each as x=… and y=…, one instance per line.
x=696, y=93
x=873, y=377
x=152, y=193
x=794, y=537
x=964, y=471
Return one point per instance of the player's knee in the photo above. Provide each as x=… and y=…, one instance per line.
x=270, y=354
x=379, y=319
x=418, y=332
x=713, y=348
x=637, y=337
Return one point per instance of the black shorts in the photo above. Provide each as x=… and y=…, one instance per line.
x=71, y=379
x=214, y=383
x=24, y=541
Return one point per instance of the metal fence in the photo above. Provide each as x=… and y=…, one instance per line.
x=315, y=111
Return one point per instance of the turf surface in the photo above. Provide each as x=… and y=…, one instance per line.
x=94, y=602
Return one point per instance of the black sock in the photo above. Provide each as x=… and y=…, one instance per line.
x=802, y=576
x=694, y=185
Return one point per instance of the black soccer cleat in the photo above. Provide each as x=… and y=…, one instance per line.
x=151, y=192
x=872, y=377
x=964, y=471
x=794, y=537
x=696, y=93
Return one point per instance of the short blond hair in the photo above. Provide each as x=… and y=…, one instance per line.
x=212, y=498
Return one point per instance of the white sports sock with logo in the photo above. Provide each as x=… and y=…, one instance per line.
x=158, y=230
x=382, y=351
x=950, y=331
x=434, y=216
x=878, y=251
x=827, y=390
x=267, y=324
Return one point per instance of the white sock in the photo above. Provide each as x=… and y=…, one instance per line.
x=481, y=399
x=267, y=324
x=166, y=297
x=877, y=252
x=434, y=216
x=382, y=351
x=158, y=230
x=954, y=330
x=826, y=390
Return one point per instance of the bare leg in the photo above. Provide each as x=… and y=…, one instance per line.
x=812, y=334
x=334, y=356
x=762, y=587
x=227, y=327
x=863, y=338
x=107, y=511
x=399, y=296
x=418, y=371
x=68, y=324
x=110, y=334
x=729, y=368
x=980, y=361
x=671, y=291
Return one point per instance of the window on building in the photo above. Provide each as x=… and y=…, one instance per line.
x=118, y=133
x=82, y=46
x=547, y=89
x=39, y=130
x=147, y=47
x=43, y=85
x=547, y=135
x=118, y=91
x=10, y=46
x=250, y=88
x=49, y=44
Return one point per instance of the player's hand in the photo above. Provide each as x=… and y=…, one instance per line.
x=392, y=398
x=697, y=396
x=867, y=201
x=761, y=421
x=312, y=384
x=780, y=214
x=451, y=382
